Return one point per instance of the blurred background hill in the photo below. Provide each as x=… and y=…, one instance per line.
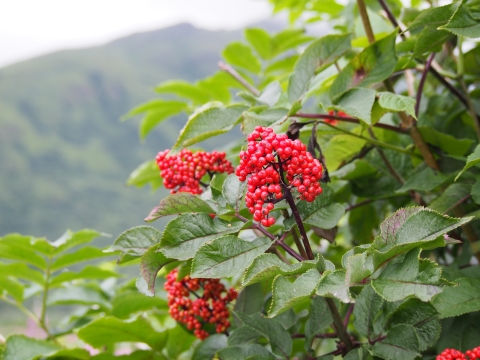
x=64, y=155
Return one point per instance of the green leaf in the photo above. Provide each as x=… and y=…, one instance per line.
x=475, y=191
x=130, y=302
x=260, y=41
x=360, y=353
x=368, y=306
x=165, y=110
x=70, y=354
x=317, y=56
x=284, y=65
x=395, y=102
x=209, y=122
x=232, y=190
x=242, y=335
x=374, y=64
x=265, y=118
x=83, y=254
x=72, y=239
x=21, y=271
x=354, y=170
x=110, y=330
x=430, y=40
x=286, y=294
x=12, y=286
x=19, y=247
x=179, y=203
x=333, y=284
x=425, y=180
x=450, y=197
x=341, y=148
x=459, y=300
x=423, y=317
x=184, y=235
x=401, y=343
x=185, y=90
x=208, y=348
x=472, y=160
x=459, y=332
x=145, y=173
x=357, y=102
x=78, y=294
x=412, y=277
x=278, y=337
x=271, y=94
x=244, y=352
x=136, y=241
x=435, y=16
x=268, y=266
x=462, y=23
x=226, y=256
x=88, y=272
x=152, y=261
x=322, y=212
x=241, y=55
x=250, y=299
x=20, y=347
x=448, y=143
x=319, y=319
x=288, y=39
x=179, y=340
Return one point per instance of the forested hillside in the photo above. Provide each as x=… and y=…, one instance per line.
x=64, y=156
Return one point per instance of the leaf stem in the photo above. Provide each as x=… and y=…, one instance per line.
x=348, y=314
x=362, y=9
x=422, y=83
x=296, y=239
x=338, y=324
x=392, y=19
x=228, y=69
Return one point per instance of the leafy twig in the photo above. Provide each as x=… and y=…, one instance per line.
x=338, y=323
x=227, y=68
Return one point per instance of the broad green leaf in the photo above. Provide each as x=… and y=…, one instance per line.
x=179, y=340
x=70, y=354
x=374, y=64
x=357, y=102
x=317, y=56
x=333, y=284
x=245, y=352
x=341, y=148
x=412, y=277
x=209, y=347
x=278, y=337
x=472, y=160
x=368, y=306
x=357, y=269
x=20, y=347
x=288, y=39
x=185, y=90
x=395, y=102
x=184, y=235
x=88, y=272
x=130, y=302
x=78, y=294
x=260, y=41
x=459, y=300
x=475, y=191
x=435, y=16
x=286, y=294
x=179, y=203
x=423, y=317
x=459, y=332
x=242, y=335
x=110, y=330
x=136, y=241
x=425, y=180
x=233, y=190
x=71, y=239
x=204, y=124
x=360, y=353
x=362, y=222
x=152, y=261
x=450, y=197
x=319, y=318
x=226, y=256
x=250, y=299
x=401, y=343
x=448, y=143
x=166, y=110
x=284, y=65
x=354, y=170
x=80, y=255
x=135, y=355
x=322, y=212
x=265, y=118
x=430, y=40
x=21, y=271
x=145, y=173
x=271, y=94
x=19, y=247
x=12, y=286
x=268, y=266
x=463, y=23
x=241, y=55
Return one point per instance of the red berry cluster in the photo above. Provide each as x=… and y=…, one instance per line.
x=182, y=172
x=454, y=354
x=210, y=307
x=268, y=157
x=333, y=121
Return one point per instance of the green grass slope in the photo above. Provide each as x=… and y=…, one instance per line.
x=64, y=155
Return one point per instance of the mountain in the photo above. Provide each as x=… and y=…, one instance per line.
x=64, y=155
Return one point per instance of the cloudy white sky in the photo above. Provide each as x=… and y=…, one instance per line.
x=29, y=28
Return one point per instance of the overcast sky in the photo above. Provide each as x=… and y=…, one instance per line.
x=29, y=28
